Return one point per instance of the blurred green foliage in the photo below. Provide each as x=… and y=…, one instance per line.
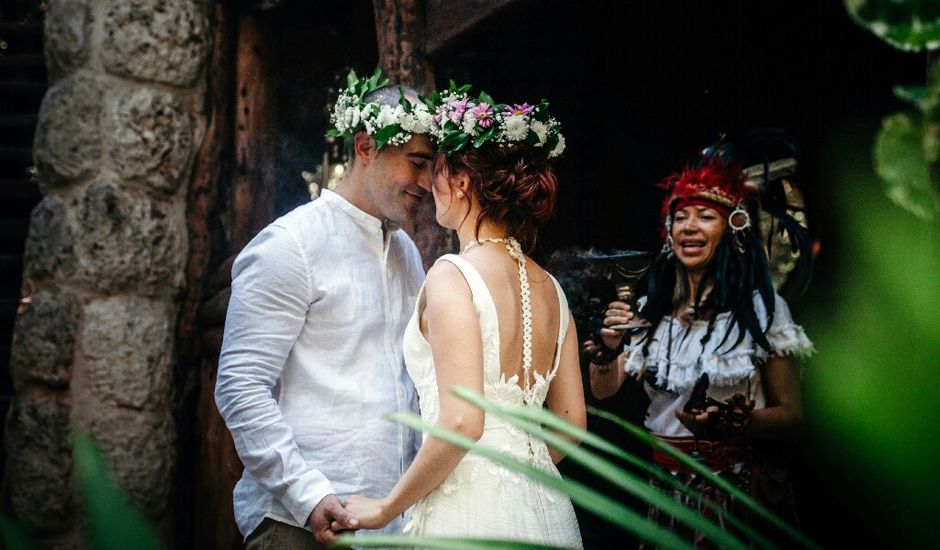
x=912, y=25
x=874, y=385
x=111, y=522
x=12, y=536
x=605, y=460
x=907, y=147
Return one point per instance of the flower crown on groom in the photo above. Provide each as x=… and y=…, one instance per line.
x=452, y=117
x=386, y=124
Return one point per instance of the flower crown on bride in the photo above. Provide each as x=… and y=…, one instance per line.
x=460, y=120
x=451, y=116
x=386, y=124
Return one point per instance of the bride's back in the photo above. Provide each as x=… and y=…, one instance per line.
x=500, y=273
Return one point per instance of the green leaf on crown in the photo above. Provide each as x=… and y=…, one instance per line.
x=551, y=142
x=454, y=141
x=485, y=136
x=387, y=133
x=541, y=113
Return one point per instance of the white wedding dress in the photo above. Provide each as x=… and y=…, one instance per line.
x=481, y=499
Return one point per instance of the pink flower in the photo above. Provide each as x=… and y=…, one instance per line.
x=457, y=109
x=519, y=110
x=483, y=113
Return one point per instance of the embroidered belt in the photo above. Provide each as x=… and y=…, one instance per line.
x=717, y=456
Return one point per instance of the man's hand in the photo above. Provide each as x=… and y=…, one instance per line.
x=327, y=514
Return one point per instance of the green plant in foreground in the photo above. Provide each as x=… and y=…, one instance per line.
x=548, y=427
x=111, y=522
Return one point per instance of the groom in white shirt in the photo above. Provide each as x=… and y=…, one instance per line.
x=311, y=359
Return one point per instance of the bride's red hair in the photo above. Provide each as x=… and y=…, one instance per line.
x=515, y=185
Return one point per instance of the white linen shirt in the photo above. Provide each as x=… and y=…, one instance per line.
x=311, y=361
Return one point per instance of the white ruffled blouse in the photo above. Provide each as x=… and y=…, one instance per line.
x=730, y=370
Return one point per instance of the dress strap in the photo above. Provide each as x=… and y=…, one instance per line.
x=470, y=274
x=562, y=324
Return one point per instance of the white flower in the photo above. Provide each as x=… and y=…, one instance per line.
x=408, y=122
x=559, y=147
x=469, y=124
x=423, y=120
x=386, y=117
x=352, y=117
x=541, y=131
x=515, y=127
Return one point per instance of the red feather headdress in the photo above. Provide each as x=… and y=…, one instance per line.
x=713, y=183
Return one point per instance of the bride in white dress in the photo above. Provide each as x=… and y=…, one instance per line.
x=492, y=320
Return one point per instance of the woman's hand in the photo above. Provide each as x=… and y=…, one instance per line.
x=617, y=316
x=694, y=420
x=719, y=421
x=371, y=512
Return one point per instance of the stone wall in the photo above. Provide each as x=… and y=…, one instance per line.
x=94, y=345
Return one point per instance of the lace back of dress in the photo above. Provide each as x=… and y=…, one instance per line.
x=515, y=250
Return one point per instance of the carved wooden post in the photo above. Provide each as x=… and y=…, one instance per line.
x=252, y=185
x=213, y=462
x=400, y=34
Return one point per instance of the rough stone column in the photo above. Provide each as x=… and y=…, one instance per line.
x=95, y=345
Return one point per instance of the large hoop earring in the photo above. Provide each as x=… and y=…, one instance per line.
x=739, y=219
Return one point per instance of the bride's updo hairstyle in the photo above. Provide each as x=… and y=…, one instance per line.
x=505, y=151
x=514, y=184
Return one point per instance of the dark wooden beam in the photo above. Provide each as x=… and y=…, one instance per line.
x=253, y=186
x=448, y=21
x=400, y=34
x=208, y=455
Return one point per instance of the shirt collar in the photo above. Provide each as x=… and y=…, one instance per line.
x=358, y=215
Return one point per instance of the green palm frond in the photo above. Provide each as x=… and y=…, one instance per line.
x=442, y=543
x=713, y=478
x=636, y=485
x=601, y=505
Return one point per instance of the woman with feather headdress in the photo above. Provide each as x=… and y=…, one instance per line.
x=713, y=342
